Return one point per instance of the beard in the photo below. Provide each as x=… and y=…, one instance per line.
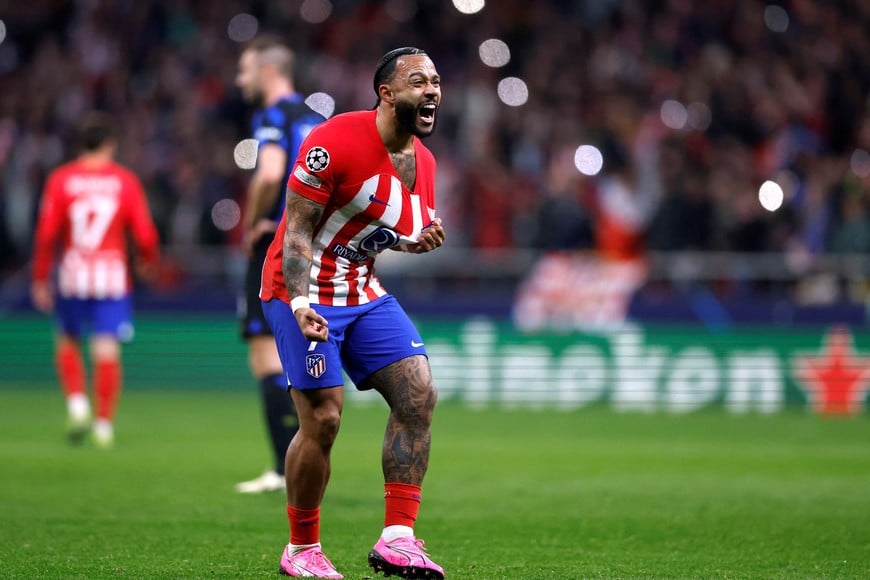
x=253, y=97
x=406, y=115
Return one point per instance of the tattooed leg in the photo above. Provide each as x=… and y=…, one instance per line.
x=407, y=387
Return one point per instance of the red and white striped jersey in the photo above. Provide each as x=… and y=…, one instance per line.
x=344, y=165
x=89, y=210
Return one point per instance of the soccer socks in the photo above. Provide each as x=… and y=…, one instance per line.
x=78, y=408
x=71, y=372
x=401, y=504
x=280, y=413
x=107, y=387
x=391, y=533
x=304, y=526
x=70, y=369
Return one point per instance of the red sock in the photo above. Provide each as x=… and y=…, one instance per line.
x=402, y=501
x=107, y=381
x=70, y=368
x=304, y=525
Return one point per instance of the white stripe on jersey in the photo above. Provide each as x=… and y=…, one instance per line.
x=314, y=273
x=363, y=276
x=101, y=279
x=92, y=276
x=394, y=207
x=118, y=279
x=82, y=275
x=417, y=213
x=342, y=289
x=66, y=281
x=375, y=285
x=324, y=239
x=340, y=217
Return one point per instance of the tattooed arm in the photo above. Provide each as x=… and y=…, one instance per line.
x=302, y=217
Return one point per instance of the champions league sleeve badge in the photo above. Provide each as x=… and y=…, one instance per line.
x=315, y=365
x=317, y=159
x=307, y=178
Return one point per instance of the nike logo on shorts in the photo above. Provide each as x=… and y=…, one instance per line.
x=416, y=344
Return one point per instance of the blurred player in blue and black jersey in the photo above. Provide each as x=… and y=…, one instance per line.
x=281, y=122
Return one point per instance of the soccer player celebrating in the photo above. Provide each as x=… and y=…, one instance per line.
x=265, y=76
x=363, y=183
x=89, y=206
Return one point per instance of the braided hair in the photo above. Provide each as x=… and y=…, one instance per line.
x=387, y=67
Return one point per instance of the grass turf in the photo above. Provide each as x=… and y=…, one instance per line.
x=510, y=494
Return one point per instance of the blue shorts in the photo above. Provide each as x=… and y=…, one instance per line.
x=362, y=340
x=77, y=315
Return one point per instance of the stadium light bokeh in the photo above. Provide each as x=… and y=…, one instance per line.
x=699, y=116
x=245, y=154
x=225, y=214
x=513, y=91
x=321, y=103
x=776, y=18
x=469, y=6
x=674, y=114
x=315, y=11
x=859, y=163
x=242, y=27
x=588, y=160
x=770, y=195
x=494, y=53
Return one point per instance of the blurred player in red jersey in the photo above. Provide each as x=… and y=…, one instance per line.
x=88, y=208
x=363, y=183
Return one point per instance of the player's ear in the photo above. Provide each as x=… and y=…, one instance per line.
x=386, y=93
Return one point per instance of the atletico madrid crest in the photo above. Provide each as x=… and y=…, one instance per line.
x=315, y=365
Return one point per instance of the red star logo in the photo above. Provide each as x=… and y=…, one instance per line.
x=837, y=379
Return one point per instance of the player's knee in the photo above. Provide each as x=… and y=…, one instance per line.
x=429, y=396
x=419, y=407
x=326, y=424
x=105, y=348
x=433, y=394
x=427, y=401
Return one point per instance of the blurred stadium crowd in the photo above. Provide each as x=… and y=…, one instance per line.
x=691, y=104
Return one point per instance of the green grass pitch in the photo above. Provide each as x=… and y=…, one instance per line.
x=509, y=494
